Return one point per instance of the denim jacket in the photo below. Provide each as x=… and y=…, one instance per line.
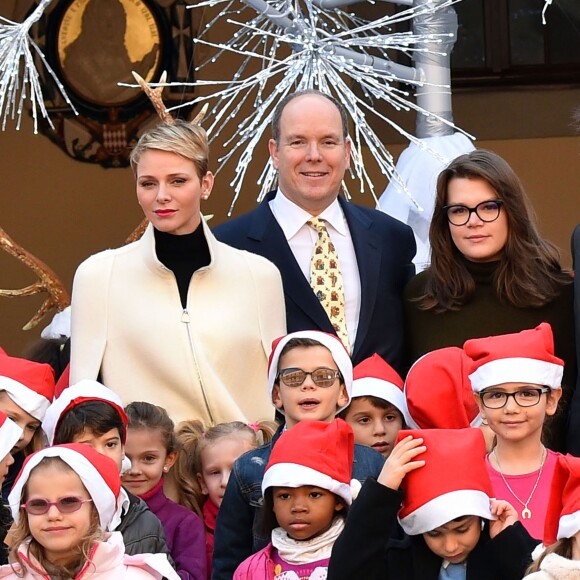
x=235, y=535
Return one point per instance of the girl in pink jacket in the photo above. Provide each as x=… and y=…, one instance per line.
x=62, y=501
x=306, y=491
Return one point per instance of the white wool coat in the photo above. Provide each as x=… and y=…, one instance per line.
x=554, y=567
x=207, y=362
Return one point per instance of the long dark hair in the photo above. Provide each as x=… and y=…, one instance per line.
x=529, y=274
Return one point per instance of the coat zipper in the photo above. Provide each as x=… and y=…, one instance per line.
x=186, y=320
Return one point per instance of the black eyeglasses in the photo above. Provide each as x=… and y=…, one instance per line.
x=524, y=398
x=486, y=211
x=65, y=505
x=321, y=377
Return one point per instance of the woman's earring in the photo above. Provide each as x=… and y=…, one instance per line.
x=204, y=196
x=165, y=470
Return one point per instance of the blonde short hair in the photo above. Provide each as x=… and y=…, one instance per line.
x=181, y=138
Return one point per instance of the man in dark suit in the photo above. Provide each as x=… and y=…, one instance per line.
x=311, y=151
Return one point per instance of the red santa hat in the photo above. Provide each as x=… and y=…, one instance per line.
x=330, y=341
x=563, y=515
x=374, y=377
x=98, y=473
x=446, y=488
x=521, y=357
x=438, y=392
x=81, y=392
x=313, y=453
x=10, y=433
x=29, y=384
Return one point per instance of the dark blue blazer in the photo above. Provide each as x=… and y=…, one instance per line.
x=384, y=248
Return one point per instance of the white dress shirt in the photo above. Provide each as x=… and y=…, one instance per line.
x=302, y=238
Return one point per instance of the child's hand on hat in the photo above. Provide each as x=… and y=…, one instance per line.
x=401, y=461
x=506, y=516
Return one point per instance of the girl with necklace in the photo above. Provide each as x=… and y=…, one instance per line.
x=516, y=380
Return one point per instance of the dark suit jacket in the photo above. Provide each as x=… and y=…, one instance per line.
x=384, y=248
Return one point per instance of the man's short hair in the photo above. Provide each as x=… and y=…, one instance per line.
x=288, y=98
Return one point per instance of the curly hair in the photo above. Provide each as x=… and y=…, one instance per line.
x=529, y=274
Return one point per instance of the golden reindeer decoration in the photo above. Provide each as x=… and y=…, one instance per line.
x=48, y=281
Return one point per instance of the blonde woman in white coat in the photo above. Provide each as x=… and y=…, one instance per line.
x=177, y=318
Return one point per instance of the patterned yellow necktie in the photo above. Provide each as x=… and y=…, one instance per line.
x=326, y=279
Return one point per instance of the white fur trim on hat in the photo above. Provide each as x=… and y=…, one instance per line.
x=101, y=494
x=31, y=401
x=331, y=342
x=517, y=370
x=373, y=387
x=295, y=475
x=59, y=327
x=569, y=525
x=444, y=508
x=85, y=388
x=10, y=433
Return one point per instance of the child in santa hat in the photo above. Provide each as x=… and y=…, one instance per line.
x=377, y=406
x=26, y=391
x=454, y=529
x=307, y=489
x=516, y=380
x=560, y=560
x=62, y=501
x=92, y=414
x=438, y=393
x=309, y=379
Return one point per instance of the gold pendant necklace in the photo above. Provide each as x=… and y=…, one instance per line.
x=526, y=512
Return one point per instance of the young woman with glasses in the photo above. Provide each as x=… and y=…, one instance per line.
x=491, y=272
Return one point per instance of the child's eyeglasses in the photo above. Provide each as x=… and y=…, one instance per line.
x=321, y=377
x=524, y=398
x=65, y=505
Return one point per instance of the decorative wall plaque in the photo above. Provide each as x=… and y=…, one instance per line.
x=95, y=44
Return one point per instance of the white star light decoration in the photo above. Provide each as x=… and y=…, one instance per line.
x=15, y=55
x=302, y=45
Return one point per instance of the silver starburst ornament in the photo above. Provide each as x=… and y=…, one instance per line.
x=19, y=79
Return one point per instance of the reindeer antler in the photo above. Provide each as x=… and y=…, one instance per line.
x=48, y=281
x=155, y=96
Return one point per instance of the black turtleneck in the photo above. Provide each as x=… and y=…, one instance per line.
x=183, y=255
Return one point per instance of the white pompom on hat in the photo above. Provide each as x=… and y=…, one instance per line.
x=330, y=341
x=444, y=488
x=438, y=392
x=374, y=377
x=521, y=357
x=563, y=515
x=10, y=433
x=82, y=392
x=29, y=384
x=314, y=453
x=98, y=473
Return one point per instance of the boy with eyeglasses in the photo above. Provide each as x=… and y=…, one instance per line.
x=309, y=378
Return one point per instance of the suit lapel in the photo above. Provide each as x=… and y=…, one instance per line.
x=266, y=231
x=368, y=250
